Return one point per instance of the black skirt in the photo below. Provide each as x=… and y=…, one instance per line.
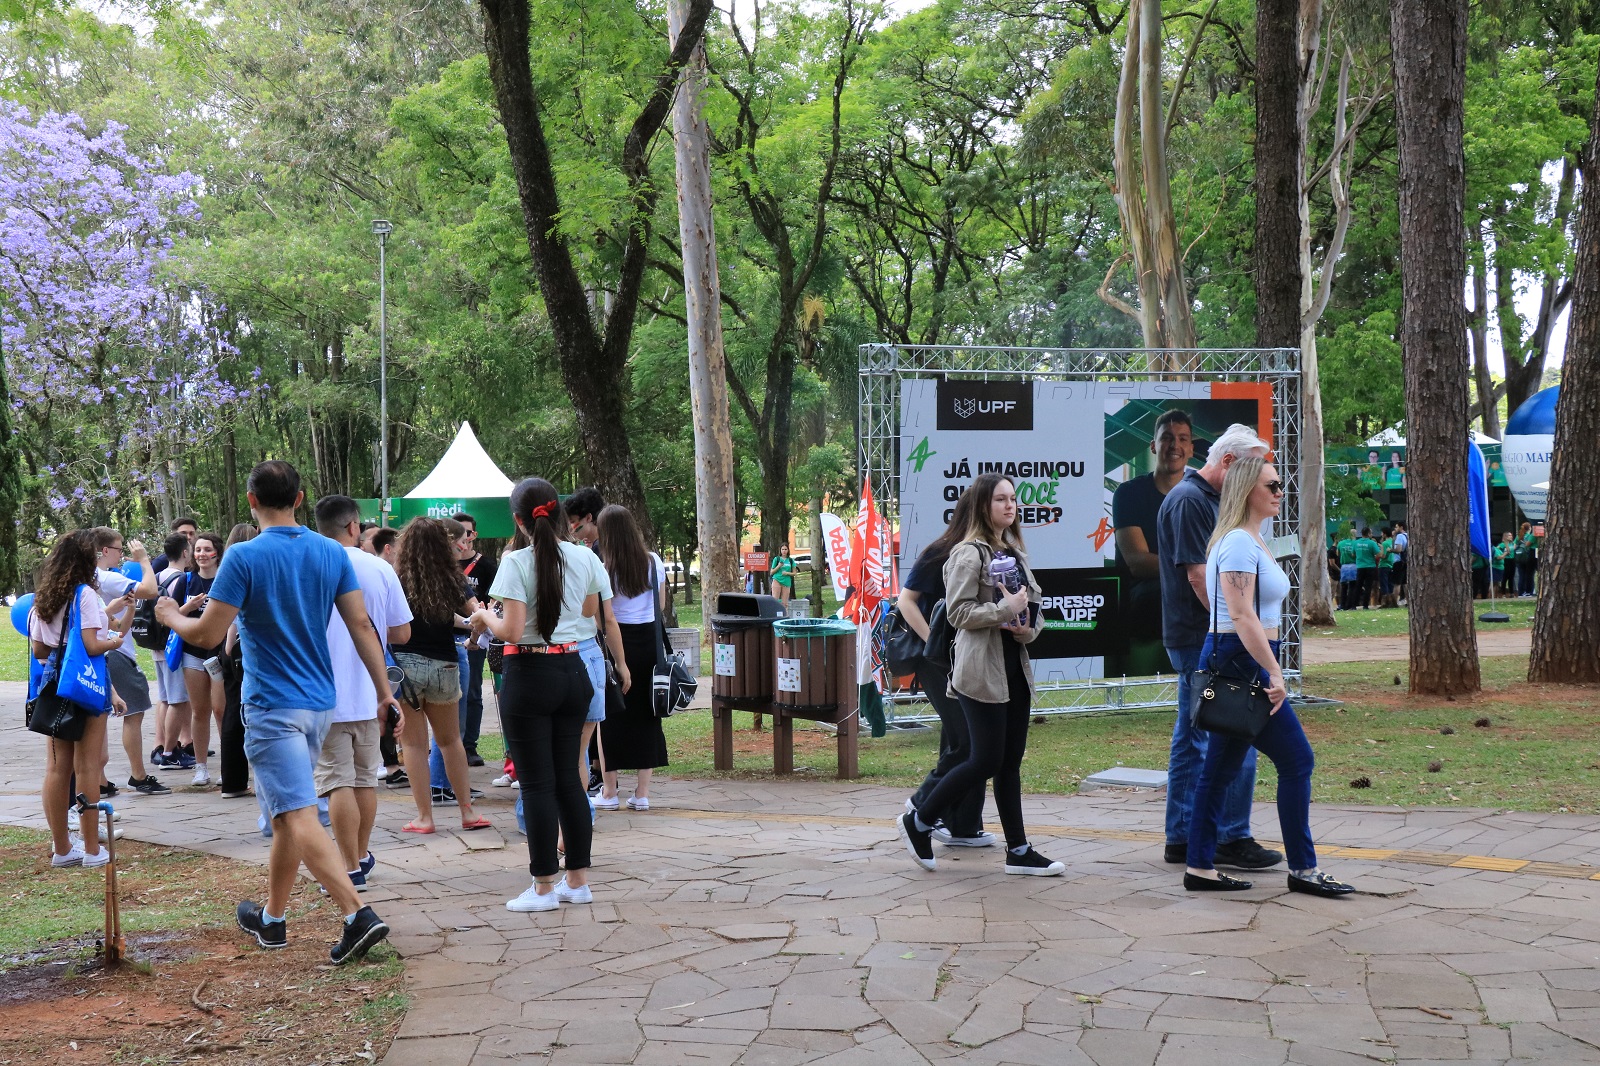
x=633, y=740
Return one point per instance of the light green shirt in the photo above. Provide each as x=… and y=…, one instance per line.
x=582, y=574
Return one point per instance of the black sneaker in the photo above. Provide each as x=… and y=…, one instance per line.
x=267, y=934
x=918, y=842
x=444, y=797
x=474, y=759
x=108, y=790
x=149, y=786
x=1175, y=853
x=1246, y=854
x=398, y=779
x=1031, y=862
x=595, y=782
x=360, y=934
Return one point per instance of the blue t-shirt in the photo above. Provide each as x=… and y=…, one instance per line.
x=1240, y=553
x=284, y=583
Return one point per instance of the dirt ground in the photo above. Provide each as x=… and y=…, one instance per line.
x=205, y=993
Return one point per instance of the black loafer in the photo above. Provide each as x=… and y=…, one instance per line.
x=1177, y=854
x=1320, y=885
x=1222, y=883
x=1246, y=854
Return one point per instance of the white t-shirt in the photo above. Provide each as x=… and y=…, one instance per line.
x=582, y=575
x=638, y=610
x=114, y=583
x=1240, y=553
x=91, y=615
x=355, y=698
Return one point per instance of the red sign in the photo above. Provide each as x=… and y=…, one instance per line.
x=756, y=562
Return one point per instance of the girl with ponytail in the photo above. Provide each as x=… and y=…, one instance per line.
x=551, y=591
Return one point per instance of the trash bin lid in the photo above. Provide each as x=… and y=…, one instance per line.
x=738, y=623
x=812, y=627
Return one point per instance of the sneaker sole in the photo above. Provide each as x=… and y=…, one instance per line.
x=911, y=849
x=368, y=941
x=530, y=910
x=268, y=944
x=967, y=842
x=1054, y=870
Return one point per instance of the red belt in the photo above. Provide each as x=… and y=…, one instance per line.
x=541, y=649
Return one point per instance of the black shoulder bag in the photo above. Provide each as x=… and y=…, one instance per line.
x=672, y=686
x=902, y=648
x=47, y=712
x=1224, y=702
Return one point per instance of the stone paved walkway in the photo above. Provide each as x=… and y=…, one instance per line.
x=780, y=923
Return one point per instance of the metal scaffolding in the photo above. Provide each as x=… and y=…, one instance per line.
x=882, y=367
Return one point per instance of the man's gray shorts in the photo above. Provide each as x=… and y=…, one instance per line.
x=129, y=683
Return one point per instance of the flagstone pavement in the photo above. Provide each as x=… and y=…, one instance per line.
x=779, y=922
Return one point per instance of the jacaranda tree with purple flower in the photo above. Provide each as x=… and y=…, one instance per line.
x=114, y=367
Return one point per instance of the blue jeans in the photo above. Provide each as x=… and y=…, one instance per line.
x=472, y=697
x=1284, y=742
x=436, y=774
x=1186, y=759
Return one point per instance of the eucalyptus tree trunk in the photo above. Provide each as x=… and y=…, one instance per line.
x=1566, y=624
x=708, y=376
x=10, y=487
x=1430, y=63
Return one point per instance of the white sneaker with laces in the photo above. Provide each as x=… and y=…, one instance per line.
x=72, y=820
x=601, y=803
x=950, y=840
x=100, y=858
x=73, y=857
x=503, y=781
x=202, y=777
x=567, y=894
x=638, y=803
x=532, y=900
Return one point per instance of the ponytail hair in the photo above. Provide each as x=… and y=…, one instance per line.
x=537, y=510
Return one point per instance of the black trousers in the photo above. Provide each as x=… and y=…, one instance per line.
x=965, y=816
x=235, y=767
x=1366, y=577
x=543, y=702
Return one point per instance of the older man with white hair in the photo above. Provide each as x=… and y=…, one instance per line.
x=1183, y=527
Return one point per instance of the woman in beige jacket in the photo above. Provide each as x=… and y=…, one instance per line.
x=990, y=677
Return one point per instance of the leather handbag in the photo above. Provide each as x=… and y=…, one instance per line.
x=902, y=647
x=1224, y=701
x=47, y=712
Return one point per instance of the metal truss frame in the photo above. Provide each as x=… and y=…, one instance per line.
x=882, y=367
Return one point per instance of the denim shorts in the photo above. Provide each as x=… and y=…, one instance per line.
x=170, y=686
x=428, y=680
x=595, y=659
x=283, y=747
x=193, y=662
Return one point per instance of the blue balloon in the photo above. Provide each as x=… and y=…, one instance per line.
x=130, y=569
x=1537, y=415
x=19, y=613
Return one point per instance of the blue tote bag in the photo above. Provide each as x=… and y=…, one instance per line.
x=174, y=650
x=85, y=679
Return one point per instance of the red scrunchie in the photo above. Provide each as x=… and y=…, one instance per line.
x=545, y=510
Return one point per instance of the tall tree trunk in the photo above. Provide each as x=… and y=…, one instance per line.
x=10, y=487
x=1130, y=191
x=1177, y=313
x=708, y=378
x=1478, y=324
x=1430, y=52
x=1566, y=624
x=230, y=477
x=593, y=362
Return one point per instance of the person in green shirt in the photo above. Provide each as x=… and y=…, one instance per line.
x=782, y=574
x=1524, y=556
x=1386, y=559
x=1366, y=553
x=1347, y=569
x=1504, y=563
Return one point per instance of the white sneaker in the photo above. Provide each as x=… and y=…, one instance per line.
x=202, y=777
x=100, y=858
x=950, y=840
x=531, y=901
x=72, y=820
x=603, y=804
x=638, y=803
x=73, y=857
x=567, y=894
x=503, y=781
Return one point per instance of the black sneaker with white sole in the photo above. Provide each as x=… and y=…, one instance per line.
x=1031, y=862
x=360, y=934
x=268, y=934
x=444, y=797
x=918, y=842
x=149, y=786
x=1246, y=854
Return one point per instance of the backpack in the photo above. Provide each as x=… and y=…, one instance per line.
x=147, y=632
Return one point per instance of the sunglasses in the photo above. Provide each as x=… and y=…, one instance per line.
x=1274, y=487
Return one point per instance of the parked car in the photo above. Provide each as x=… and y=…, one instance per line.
x=802, y=560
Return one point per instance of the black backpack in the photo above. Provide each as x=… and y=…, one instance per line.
x=146, y=630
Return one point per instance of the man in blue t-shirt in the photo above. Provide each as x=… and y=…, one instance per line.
x=282, y=587
x=1184, y=525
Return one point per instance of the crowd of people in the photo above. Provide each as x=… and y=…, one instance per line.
x=320, y=665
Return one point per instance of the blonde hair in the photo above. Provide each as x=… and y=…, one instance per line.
x=1234, y=510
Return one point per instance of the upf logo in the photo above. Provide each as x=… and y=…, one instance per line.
x=985, y=405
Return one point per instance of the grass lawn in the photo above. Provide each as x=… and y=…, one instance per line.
x=1536, y=754
x=1396, y=621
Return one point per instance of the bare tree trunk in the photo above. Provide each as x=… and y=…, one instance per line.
x=708, y=378
x=1478, y=323
x=1430, y=51
x=1177, y=317
x=1566, y=624
x=1130, y=189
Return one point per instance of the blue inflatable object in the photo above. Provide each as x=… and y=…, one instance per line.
x=1527, y=449
x=19, y=613
x=131, y=570
x=1536, y=416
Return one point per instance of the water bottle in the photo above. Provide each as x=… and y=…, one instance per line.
x=1005, y=573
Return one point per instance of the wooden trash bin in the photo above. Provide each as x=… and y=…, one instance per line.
x=741, y=675
x=815, y=678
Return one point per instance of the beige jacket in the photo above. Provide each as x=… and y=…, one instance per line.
x=972, y=605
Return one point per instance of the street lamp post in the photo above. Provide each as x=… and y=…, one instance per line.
x=383, y=228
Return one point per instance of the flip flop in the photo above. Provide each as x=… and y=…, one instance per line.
x=478, y=823
x=412, y=827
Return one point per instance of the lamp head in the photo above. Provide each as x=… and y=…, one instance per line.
x=382, y=227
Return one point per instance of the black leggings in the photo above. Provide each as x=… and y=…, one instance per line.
x=543, y=702
x=999, y=735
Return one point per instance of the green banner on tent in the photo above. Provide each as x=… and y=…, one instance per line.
x=492, y=512
x=1384, y=466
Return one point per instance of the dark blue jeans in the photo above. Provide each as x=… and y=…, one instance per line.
x=1187, y=756
x=1283, y=741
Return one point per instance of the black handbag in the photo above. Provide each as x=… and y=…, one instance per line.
x=47, y=713
x=902, y=647
x=1224, y=702
x=939, y=650
x=672, y=686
